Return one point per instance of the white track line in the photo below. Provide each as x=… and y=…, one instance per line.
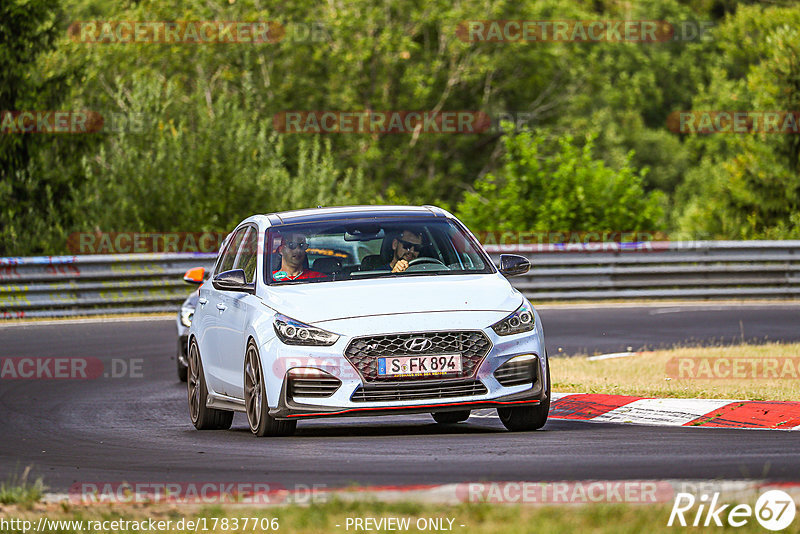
x=662, y=412
x=611, y=355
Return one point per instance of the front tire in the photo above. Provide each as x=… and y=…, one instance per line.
x=203, y=418
x=451, y=418
x=527, y=418
x=255, y=399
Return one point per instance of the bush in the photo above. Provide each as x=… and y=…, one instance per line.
x=557, y=185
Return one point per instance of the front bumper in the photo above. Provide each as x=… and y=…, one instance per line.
x=290, y=409
x=182, y=354
x=286, y=403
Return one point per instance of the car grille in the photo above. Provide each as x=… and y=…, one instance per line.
x=363, y=352
x=516, y=373
x=406, y=391
x=313, y=387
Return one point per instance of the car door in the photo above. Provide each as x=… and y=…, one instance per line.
x=212, y=306
x=233, y=320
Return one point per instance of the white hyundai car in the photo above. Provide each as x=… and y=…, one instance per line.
x=363, y=311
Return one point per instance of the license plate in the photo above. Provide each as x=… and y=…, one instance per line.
x=434, y=364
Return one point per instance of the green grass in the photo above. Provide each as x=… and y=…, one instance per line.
x=18, y=490
x=652, y=374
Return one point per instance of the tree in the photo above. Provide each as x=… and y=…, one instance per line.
x=747, y=186
x=184, y=168
x=33, y=199
x=556, y=185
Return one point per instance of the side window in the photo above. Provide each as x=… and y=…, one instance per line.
x=226, y=263
x=248, y=256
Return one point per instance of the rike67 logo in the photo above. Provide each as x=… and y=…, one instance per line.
x=774, y=510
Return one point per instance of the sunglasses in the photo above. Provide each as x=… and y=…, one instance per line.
x=292, y=245
x=417, y=247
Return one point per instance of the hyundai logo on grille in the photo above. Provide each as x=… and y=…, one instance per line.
x=417, y=344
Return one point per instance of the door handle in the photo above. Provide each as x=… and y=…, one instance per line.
x=221, y=307
x=203, y=301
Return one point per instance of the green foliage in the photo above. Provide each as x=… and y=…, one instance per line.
x=34, y=198
x=209, y=155
x=204, y=169
x=554, y=184
x=748, y=186
x=19, y=490
x=16, y=494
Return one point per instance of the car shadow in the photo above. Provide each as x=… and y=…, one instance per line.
x=339, y=428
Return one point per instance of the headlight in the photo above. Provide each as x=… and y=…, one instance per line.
x=186, y=316
x=519, y=321
x=294, y=332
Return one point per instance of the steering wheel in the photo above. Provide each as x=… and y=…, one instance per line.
x=425, y=259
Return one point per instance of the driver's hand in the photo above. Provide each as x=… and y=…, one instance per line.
x=400, y=266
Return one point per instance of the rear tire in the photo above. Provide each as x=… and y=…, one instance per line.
x=255, y=399
x=527, y=418
x=203, y=418
x=451, y=418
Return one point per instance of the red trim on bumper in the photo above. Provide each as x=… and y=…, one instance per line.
x=384, y=408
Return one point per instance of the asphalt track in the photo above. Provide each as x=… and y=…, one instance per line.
x=136, y=428
x=602, y=329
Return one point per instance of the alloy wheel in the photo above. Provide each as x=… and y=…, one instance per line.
x=252, y=387
x=193, y=383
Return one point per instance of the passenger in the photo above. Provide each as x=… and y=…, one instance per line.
x=294, y=261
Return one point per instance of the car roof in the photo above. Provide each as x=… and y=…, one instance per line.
x=352, y=212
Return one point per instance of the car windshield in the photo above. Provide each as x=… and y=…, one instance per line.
x=370, y=248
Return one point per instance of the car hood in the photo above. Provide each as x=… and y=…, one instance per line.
x=326, y=301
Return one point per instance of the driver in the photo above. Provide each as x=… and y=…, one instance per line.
x=293, y=259
x=405, y=248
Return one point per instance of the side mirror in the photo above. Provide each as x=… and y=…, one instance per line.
x=195, y=275
x=233, y=281
x=513, y=265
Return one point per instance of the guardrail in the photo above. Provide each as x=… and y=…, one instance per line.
x=120, y=283
x=53, y=286
x=664, y=269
